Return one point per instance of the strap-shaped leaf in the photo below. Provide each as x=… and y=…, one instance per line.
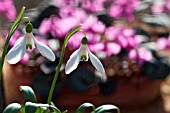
x=12, y=108
x=39, y=108
x=30, y=107
x=29, y=95
x=106, y=108
x=84, y=106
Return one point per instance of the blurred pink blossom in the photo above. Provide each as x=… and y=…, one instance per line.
x=123, y=8
x=45, y=26
x=112, y=48
x=112, y=33
x=140, y=55
x=162, y=43
x=93, y=5
x=25, y=59
x=7, y=7
x=98, y=27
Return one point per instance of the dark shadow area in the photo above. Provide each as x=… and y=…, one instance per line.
x=156, y=106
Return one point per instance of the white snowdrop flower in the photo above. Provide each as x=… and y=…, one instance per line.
x=17, y=52
x=83, y=54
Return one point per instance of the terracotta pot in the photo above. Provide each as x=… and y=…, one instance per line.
x=13, y=77
x=129, y=93
x=134, y=91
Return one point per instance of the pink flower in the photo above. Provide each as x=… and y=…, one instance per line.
x=157, y=8
x=93, y=6
x=123, y=8
x=98, y=27
x=62, y=26
x=25, y=58
x=122, y=41
x=144, y=54
x=140, y=55
x=162, y=43
x=45, y=26
x=75, y=40
x=95, y=48
x=89, y=22
x=115, y=11
x=14, y=37
x=112, y=33
x=7, y=7
x=112, y=48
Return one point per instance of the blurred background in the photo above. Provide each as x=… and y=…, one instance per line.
x=130, y=37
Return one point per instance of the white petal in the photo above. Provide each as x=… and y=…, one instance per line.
x=17, y=51
x=44, y=49
x=102, y=76
x=73, y=62
x=84, y=51
x=29, y=39
x=96, y=62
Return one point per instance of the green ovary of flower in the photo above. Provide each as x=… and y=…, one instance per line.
x=84, y=40
x=83, y=57
x=29, y=28
x=29, y=46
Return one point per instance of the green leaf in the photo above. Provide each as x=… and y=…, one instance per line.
x=73, y=31
x=12, y=108
x=29, y=95
x=30, y=107
x=39, y=108
x=106, y=108
x=22, y=110
x=84, y=106
x=56, y=110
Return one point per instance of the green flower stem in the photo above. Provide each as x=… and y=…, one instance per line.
x=12, y=30
x=118, y=110
x=56, y=75
x=83, y=32
x=76, y=29
x=27, y=19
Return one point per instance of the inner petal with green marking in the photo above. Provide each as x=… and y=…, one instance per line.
x=29, y=46
x=83, y=58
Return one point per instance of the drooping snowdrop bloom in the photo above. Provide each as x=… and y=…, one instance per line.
x=83, y=54
x=18, y=51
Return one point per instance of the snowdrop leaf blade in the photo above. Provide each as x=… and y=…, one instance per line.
x=73, y=62
x=107, y=108
x=12, y=108
x=44, y=50
x=29, y=95
x=17, y=51
x=96, y=62
x=82, y=107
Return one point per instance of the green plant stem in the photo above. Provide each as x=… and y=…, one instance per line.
x=56, y=75
x=5, y=49
x=118, y=110
x=12, y=30
x=76, y=29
